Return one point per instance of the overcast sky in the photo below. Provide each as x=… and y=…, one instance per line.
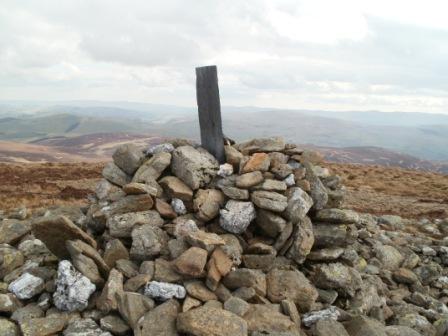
x=389, y=55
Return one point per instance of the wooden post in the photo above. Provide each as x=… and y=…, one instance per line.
x=209, y=109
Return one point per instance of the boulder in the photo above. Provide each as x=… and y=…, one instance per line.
x=237, y=216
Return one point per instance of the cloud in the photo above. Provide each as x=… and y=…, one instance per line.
x=351, y=54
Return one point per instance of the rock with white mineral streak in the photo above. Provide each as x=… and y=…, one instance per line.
x=237, y=216
x=72, y=288
x=26, y=286
x=164, y=290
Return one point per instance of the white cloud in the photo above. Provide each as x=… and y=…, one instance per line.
x=349, y=54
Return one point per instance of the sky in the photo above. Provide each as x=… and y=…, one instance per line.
x=387, y=55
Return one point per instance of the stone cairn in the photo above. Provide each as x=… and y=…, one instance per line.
x=175, y=244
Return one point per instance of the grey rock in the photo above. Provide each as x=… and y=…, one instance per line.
x=269, y=200
x=334, y=235
x=11, y=230
x=115, y=325
x=327, y=327
x=160, y=321
x=271, y=185
x=132, y=306
x=160, y=148
x=271, y=223
x=225, y=170
x=120, y=226
x=299, y=203
x=195, y=167
x=318, y=192
x=164, y=291
x=337, y=216
x=84, y=327
x=401, y=331
x=237, y=216
x=389, y=256
x=72, y=288
x=151, y=169
x=274, y=144
x=115, y=175
x=8, y=328
x=302, y=242
x=364, y=326
x=236, y=306
x=311, y=318
x=128, y=158
x=246, y=277
x=346, y=280
x=178, y=206
x=26, y=286
x=148, y=241
x=235, y=193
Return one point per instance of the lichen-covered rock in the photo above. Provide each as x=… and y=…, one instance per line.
x=72, y=288
x=11, y=230
x=84, y=327
x=42, y=326
x=113, y=174
x=195, y=167
x=266, y=320
x=151, y=170
x=269, y=200
x=237, y=216
x=299, y=203
x=128, y=157
x=160, y=321
x=330, y=313
x=148, y=241
x=303, y=241
x=346, y=280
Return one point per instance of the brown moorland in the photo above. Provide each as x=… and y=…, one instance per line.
x=373, y=189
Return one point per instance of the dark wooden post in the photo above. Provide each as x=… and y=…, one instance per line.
x=209, y=109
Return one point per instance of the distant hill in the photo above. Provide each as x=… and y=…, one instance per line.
x=420, y=135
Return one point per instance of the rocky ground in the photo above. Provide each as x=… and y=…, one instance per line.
x=172, y=243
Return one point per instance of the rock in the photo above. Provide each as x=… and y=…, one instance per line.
x=161, y=321
x=120, y=226
x=417, y=322
x=271, y=185
x=132, y=306
x=31, y=310
x=9, y=303
x=245, y=277
x=72, y=288
x=289, y=308
x=175, y=188
x=135, y=188
x=248, y=180
x=207, y=321
x=330, y=313
x=292, y=285
x=164, y=209
x=337, y=216
x=42, y=326
x=164, y=291
x=130, y=203
x=197, y=290
x=137, y=282
x=107, y=301
x=207, y=241
x=115, y=325
x=327, y=327
x=11, y=230
x=331, y=235
x=161, y=148
x=115, y=175
x=8, y=328
x=218, y=266
x=127, y=267
x=88, y=268
x=148, y=241
x=299, y=203
x=303, y=241
x=263, y=319
x=346, y=280
x=152, y=168
x=401, y=331
x=236, y=193
x=10, y=259
x=318, y=191
x=55, y=231
x=282, y=170
x=207, y=203
x=191, y=262
x=389, y=256
x=269, y=200
x=326, y=254
x=84, y=327
x=236, y=306
x=178, y=206
x=114, y=250
x=233, y=156
x=274, y=144
x=26, y=286
x=405, y=276
x=257, y=161
x=290, y=180
x=128, y=157
x=271, y=223
x=76, y=247
x=237, y=216
x=194, y=167
x=364, y=326
x=225, y=170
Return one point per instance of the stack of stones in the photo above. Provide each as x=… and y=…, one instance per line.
x=174, y=243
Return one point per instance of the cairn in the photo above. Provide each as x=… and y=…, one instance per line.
x=173, y=243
